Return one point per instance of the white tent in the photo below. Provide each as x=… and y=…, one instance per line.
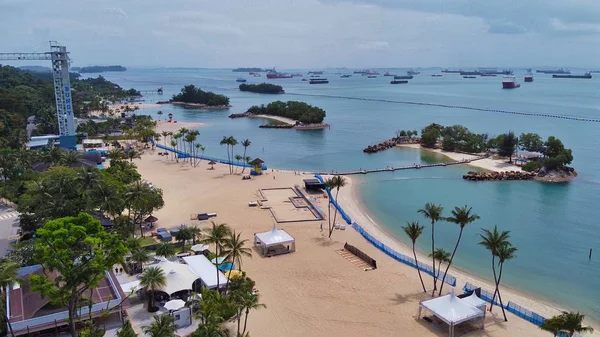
x=130, y=287
x=452, y=310
x=206, y=271
x=199, y=248
x=179, y=276
x=274, y=242
x=475, y=301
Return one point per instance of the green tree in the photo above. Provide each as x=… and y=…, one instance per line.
x=126, y=330
x=531, y=142
x=182, y=236
x=461, y=216
x=163, y=326
x=430, y=137
x=234, y=250
x=217, y=235
x=336, y=182
x=152, y=279
x=196, y=233
x=413, y=230
x=165, y=249
x=225, y=141
x=232, y=143
x=572, y=322
x=139, y=256
x=507, y=145
x=245, y=143
x=8, y=276
x=251, y=303
x=143, y=200
x=132, y=154
x=433, y=212
x=238, y=159
x=191, y=94
x=553, y=325
x=442, y=256
x=493, y=240
x=505, y=252
x=80, y=252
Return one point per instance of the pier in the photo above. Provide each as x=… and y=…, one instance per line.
x=399, y=168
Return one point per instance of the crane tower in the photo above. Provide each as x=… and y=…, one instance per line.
x=62, y=87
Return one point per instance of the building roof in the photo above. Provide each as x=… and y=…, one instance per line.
x=256, y=161
x=474, y=300
x=274, y=237
x=37, y=143
x=205, y=270
x=179, y=276
x=452, y=309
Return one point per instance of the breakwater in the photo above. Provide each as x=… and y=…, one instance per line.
x=507, y=175
x=400, y=168
x=276, y=126
x=388, y=144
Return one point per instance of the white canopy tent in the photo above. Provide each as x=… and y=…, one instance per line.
x=206, y=271
x=274, y=242
x=131, y=287
x=179, y=277
x=452, y=310
x=199, y=248
x=475, y=301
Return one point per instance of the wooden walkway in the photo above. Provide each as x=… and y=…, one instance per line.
x=399, y=168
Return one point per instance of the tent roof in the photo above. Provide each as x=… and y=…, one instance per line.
x=179, y=276
x=205, y=270
x=199, y=247
x=131, y=286
x=256, y=161
x=274, y=237
x=474, y=300
x=452, y=309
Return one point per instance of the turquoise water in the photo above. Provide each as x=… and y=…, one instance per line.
x=553, y=225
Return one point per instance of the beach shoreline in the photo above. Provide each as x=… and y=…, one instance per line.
x=489, y=164
x=174, y=127
x=349, y=199
x=284, y=120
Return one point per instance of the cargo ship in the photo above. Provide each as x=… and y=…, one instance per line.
x=448, y=71
x=494, y=71
x=413, y=72
x=470, y=73
x=274, y=74
x=316, y=72
x=240, y=80
x=436, y=75
x=366, y=72
x=398, y=82
x=508, y=82
x=387, y=73
x=404, y=77
x=345, y=76
x=488, y=75
x=560, y=71
x=372, y=76
x=469, y=76
x=297, y=75
x=318, y=81
x=528, y=76
x=586, y=75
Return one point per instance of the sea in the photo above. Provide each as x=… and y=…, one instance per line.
x=554, y=226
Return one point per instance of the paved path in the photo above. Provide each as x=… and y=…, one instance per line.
x=9, y=224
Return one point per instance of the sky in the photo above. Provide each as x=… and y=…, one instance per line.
x=309, y=33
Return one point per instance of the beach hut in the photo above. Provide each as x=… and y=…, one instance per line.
x=212, y=164
x=452, y=311
x=151, y=220
x=274, y=242
x=170, y=117
x=257, y=165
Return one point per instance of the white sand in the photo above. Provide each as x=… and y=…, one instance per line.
x=313, y=291
x=285, y=120
x=115, y=107
x=497, y=165
x=174, y=127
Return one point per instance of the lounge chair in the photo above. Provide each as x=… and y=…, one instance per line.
x=336, y=226
x=343, y=227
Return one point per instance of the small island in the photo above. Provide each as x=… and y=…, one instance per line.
x=98, y=69
x=247, y=70
x=288, y=115
x=263, y=88
x=195, y=98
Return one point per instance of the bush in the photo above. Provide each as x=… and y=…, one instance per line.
x=191, y=94
x=429, y=138
x=300, y=111
x=530, y=166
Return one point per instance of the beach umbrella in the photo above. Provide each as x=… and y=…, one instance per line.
x=151, y=219
x=233, y=273
x=174, y=304
x=199, y=248
x=212, y=164
x=226, y=266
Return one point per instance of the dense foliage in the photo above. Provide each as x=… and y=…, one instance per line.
x=191, y=94
x=300, y=111
x=98, y=69
x=454, y=138
x=263, y=88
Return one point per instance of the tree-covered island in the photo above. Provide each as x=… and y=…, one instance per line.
x=263, y=88
x=192, y=97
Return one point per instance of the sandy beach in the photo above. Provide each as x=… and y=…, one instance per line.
x=115, y=107
x=285, y=120
x=497, y=165
x=313, y=291
x=174, y=127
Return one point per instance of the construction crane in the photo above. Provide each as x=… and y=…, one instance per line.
x=62, y=87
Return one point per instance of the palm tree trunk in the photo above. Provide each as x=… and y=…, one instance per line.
x=245, y=321
x=217, y=263
x=498, y=290
x=335, y=213
x=329, y=216
x=435, y=276
x=244, y=167
x=72, y=317
x=230, y=268
x=450, y=262
x=495, y=280
x=418, y=270
x=239, y=319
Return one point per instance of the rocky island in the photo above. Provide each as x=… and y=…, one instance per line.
x=195, y=98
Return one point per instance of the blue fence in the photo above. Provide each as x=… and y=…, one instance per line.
x=182, y=154
x=451, y=280
x=485, y=295
x=334, y=202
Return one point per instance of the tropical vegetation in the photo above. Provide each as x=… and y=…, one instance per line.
x=333, y=183
x=567, y=323
x=433, y=212
x=263, y=88
x=413, y=230
x=300, y=111
x=191, y=94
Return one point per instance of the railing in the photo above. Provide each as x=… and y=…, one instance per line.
x=334, y=202
x=183, y=155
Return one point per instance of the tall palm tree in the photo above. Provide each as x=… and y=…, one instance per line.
x=196, y=232
x=225, y=141
x=442, y=256
x=433, y=212
x=176, y=138
x=70, y=157
x=132, y=154
x=238, y=158
x=159, y=113
x=245, y=144
x=198, y=147
x=232, y=142
x=553, y=325
x=183, y=235
x=337, y=182
x=492, y=241
x=139, y=256
x=217, y=235
x=572, y=322
x=8, y=276
x=461, y=216
x=174, y=147
x=251, y=304
x=165, y=134
x=165, y=249
x=413, y=230
x=234, y=251
x=151, y=280
x=163, y=326
x=505, y=252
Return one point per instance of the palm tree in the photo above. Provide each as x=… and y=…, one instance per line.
x=132, y=154
x=492, y=241
x=238, y=158
x=571, y=323
x=413, y=230
x=70, y=157
x=139, y=256
x=225, y=141
x=163, y=326
x=504, y=252
x=196, y=232
x=337, y=182
x=173, y=146
x=165, y=134
x=176, y=138
x=234, y=250
x=433, y=212
x=165, y=249
x=152, y=279
x=232, y=142
x=250, y=304
x=198, y=148
x=461, y=216
x=159, y=113
x=183, y=235
x=245, y=144
x=553, y=325
x=441, y=255
x=8, y=276
x=217, y=234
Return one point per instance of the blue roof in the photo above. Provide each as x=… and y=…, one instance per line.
x=24, y=271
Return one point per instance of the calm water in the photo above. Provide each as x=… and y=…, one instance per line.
x=553, y=225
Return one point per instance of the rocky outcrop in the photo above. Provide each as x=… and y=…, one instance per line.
x=507, y=175
x=559, y=175
x=388, y=144
x=245, y=114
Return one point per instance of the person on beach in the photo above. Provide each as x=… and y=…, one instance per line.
x=321, y=226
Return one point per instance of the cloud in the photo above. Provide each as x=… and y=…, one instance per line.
x=373, y=45
x=116, y=12
x=499, y=27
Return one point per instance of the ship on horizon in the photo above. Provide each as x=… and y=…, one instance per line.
x=529, y=76
x=508, y=82
x=448, y=71
x=413, y=72
x=587, y=75
x=318, y=81
x=275, y=74
x=560, y=71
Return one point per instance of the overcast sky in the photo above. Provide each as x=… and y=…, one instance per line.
x=309, y=33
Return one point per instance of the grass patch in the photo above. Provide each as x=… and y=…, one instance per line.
x=148, y=241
